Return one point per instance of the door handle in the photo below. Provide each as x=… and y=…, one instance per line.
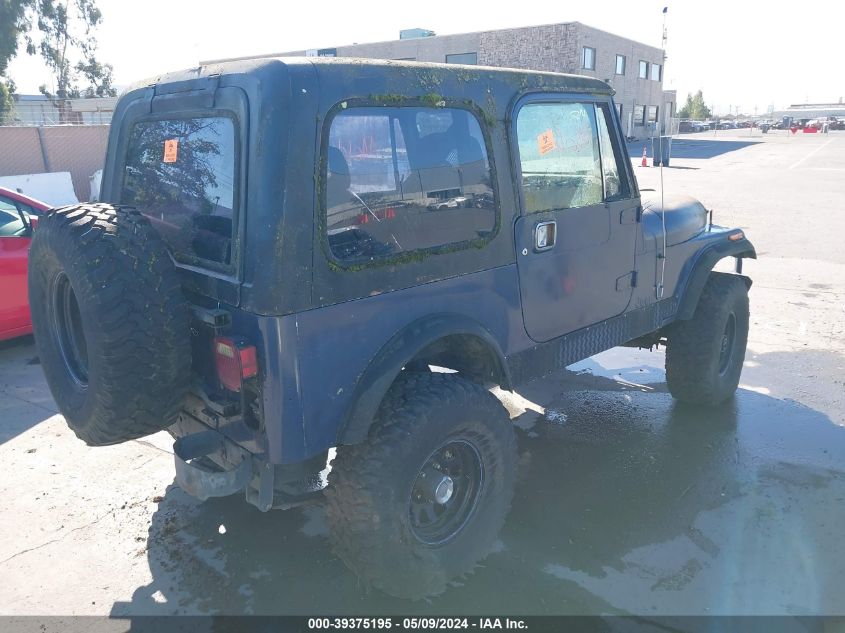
x=545, y=235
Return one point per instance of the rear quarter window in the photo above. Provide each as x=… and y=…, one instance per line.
x=180, y=173
x=403, y=179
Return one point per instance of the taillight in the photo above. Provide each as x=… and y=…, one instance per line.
x=236, y=361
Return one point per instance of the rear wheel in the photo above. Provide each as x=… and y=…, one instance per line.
x=110, y=322
x=704, y=355
x=423, y=499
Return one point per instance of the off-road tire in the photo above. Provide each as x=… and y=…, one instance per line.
x=131, y=324
x=694, y=347
x=370, y=485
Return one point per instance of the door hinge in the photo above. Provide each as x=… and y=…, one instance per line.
x=631, y=215
x=626, y=282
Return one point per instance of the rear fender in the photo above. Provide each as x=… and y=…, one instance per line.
x=404, y=347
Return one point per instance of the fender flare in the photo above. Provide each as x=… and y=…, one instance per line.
x=379, y=375
x=701, y=268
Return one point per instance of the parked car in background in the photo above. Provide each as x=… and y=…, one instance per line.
x=11, y=200
x=831, y=122
x=18, y=217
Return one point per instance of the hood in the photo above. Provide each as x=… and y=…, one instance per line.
x=686, y=217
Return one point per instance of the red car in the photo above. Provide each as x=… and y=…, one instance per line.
x=18, y=216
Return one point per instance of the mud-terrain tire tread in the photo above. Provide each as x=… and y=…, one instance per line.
x=692, y=350
x=363, y=495
x=135, y=320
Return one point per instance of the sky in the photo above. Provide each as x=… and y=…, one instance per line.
x=743, y=55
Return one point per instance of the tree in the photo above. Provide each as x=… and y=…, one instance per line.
x=695, y=108
x=62, y=33
x=7, y=102
x=14, y=22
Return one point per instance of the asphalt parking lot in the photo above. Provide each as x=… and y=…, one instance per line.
x=626, y=502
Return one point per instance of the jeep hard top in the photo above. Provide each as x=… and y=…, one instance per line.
x=312, y=271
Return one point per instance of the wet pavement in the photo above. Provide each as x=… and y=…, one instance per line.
x=632, y=504
x=626, y=502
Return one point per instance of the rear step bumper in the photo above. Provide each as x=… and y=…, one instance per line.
x=198, y=475
x=209, y=464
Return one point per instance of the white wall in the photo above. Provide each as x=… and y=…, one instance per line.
x=55, y=189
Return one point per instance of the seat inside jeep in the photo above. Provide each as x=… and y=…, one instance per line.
x=402, y=179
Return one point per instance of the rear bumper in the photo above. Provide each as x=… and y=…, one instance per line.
x=209, y=464
x=198, y=474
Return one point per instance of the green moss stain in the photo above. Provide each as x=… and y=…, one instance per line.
x=389, y=99
x=433, y=100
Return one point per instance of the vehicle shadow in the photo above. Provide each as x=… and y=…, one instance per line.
x=25, y=400
x=627, y=503
x=691, y=148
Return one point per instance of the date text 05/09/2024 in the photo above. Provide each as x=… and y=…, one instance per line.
x=418, y=623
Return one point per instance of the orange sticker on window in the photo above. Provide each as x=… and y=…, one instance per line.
x=171, y=150
x=546, y=141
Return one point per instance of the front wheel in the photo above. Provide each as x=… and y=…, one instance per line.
x=423, y=499
x=704, y=355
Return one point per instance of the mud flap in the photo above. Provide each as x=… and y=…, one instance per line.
x=201, y=478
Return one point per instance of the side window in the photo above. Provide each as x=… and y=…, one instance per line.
x=6, y=204
x=11, y=224
x=559, y=155
x=401, y=179
x=611, y=158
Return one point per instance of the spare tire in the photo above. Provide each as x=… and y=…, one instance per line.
x=110, y=321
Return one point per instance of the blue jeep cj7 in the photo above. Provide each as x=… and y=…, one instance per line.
x=291, y=251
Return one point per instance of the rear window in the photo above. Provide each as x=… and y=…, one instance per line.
x=401, y=179
x=180, y=173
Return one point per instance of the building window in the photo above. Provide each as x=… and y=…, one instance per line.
x=639, y=115
x=656, y=72
x=652, y=114
x=463, y=58
x=620, y=64
x=643, y=70
x=588, y=58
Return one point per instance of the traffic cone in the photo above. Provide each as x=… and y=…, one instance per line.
x=390, y=213
x=645, y=161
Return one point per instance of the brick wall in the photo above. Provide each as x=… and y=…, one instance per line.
x=553, y=47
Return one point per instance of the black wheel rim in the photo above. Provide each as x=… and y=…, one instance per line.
x=727, y=344
x=66, y=321
x=446, y=492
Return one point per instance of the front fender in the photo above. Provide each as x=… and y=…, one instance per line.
x=699, y=268
x=398, y=352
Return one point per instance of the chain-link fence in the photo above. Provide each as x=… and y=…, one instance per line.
x=54, y=151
